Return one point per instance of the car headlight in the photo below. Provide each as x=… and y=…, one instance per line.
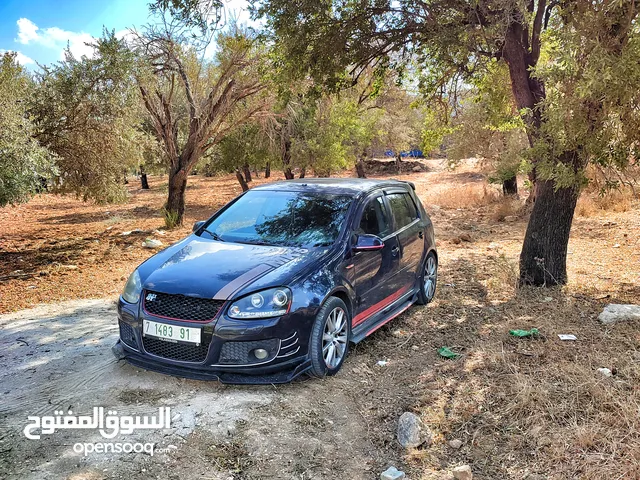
x=133, y=288
x=267, y=303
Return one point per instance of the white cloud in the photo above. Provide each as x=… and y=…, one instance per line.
x=27, y=31
x=20, y=57
x=55, y=38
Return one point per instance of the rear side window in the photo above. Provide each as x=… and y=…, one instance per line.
x=375, y=220
x=403, y=209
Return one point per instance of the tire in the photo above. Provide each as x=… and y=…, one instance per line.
x=325, y=335
x=428, y=279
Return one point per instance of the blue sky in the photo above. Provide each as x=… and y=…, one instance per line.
x=39, y=30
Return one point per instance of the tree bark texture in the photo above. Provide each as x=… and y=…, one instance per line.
x=241, y=181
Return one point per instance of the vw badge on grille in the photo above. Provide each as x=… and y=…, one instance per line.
x=150, y=297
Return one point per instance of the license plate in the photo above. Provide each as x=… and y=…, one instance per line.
x=171, y=333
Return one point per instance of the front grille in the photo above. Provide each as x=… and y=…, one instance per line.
x=127, y=335
x=176, y=351
x=240, y=353
x=181, y=307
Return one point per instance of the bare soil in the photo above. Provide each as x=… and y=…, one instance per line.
x=523, y=408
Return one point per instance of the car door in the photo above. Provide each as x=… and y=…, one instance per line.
x=409, y=231
x=374, y=270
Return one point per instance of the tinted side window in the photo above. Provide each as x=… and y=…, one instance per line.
x=404, y=211
x=374, y=218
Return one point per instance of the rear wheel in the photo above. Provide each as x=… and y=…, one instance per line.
x=330, y=338
x=428, y=279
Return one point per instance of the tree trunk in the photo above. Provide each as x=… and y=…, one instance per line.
x=510, y=187
x=303, y=171
x=242, y=181
x=247, y=172
x=126, y=180
x=286, y=156
x=174, y=208
x=399, y=162
x=144, y=181
x=543, y=260
x=360, y=168
x=255, y=172
x=267, y=170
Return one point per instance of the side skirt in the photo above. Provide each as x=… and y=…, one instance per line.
x=376, y=321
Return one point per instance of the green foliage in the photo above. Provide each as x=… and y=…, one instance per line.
x=87, y=113
x=434, y=133
x=488, y=126
x=248, y=144
x=23, y=162
x=591, y=112
x=171, y=218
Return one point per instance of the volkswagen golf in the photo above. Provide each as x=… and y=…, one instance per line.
x=280, y=281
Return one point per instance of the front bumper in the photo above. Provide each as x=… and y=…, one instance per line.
x=224, y=353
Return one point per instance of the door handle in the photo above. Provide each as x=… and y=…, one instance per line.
x=421, y=234
x=395, y=251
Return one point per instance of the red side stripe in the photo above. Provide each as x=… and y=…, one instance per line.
x=362, y=316
x=387, y=320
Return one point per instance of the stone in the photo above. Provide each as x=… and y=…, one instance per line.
x=412, y=432
x=417, y=169
x=455, y=444
x=614, y=313
x=605, y=371
x=462, y=472
x=392, y=473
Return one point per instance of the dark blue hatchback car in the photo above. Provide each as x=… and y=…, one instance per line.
x=280, y=281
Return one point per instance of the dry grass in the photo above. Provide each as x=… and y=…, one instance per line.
x=463, y=196
x=618, y=201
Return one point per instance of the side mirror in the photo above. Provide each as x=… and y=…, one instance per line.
x=367, y=242
x=197, y=225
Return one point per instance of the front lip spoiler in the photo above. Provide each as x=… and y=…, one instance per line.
x=232, y=378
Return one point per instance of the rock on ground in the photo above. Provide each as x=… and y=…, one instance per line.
x=455, y=444
x=462, y=473
x=412, y=432
x=614, y=313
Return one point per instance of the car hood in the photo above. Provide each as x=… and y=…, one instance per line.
x=211, y=269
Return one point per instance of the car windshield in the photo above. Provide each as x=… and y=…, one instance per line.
x=265, y=217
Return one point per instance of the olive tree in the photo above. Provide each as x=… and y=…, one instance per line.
x=24, y=164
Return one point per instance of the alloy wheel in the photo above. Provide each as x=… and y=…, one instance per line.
x=334, y=338
x=430, y=277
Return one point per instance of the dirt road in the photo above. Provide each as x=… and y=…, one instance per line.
x=58, y=357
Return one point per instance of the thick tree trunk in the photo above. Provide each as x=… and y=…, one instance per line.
x=303, y=171
x=144, y=182
x=360, y=168
x=267, y=170
x=247, y=172
x=399, y=162
x=255, y=172
x=242, y=181
x=510, y=187
x=543, y=260
x=174, y=208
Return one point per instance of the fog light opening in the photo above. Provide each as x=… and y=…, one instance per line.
x=260, y=353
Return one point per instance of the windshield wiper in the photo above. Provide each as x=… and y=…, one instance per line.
x=215, y=236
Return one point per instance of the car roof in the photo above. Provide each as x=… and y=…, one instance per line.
x=352, y=186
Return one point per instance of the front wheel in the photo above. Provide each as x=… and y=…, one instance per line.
x=329, y=338
x=428, y=279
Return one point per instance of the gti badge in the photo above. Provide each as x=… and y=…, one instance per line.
x=150, y=297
